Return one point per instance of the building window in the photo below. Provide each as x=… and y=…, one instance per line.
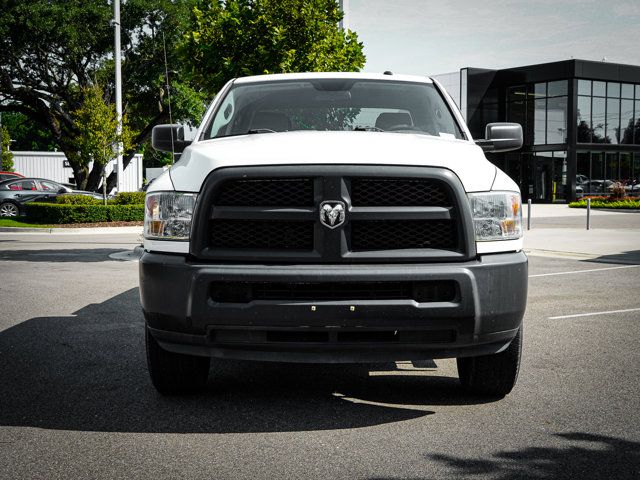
x=612, y=126
x=557, y=119
x=542, y=111
x=584, y=119
x=626, y=121
x=598, y=172
x=610, y=114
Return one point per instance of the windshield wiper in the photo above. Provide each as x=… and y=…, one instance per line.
x=362, y=128
x=260, y=130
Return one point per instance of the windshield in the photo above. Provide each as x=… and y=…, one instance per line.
x=333, y=105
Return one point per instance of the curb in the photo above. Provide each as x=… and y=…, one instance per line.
x=73, y=231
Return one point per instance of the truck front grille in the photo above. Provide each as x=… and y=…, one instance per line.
x=399, y=234
x=262, y=234
x=398, y=192
x=266, y=192
x=272, y=214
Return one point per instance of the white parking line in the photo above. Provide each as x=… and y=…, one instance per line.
x=582, y=271
x=595, y=313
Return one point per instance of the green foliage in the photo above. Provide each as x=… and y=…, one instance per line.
x=129, y=198
x=125, y=213
x=27, y=134
x=247, y=37
x=96, y=124
x=77, y=200
x=7, y=157
x=626, y=203
x=55, y=49
x=52, y=213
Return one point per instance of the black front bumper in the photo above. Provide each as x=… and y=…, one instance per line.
x=482, y=319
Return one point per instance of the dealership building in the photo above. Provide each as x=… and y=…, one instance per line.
x=580, y=119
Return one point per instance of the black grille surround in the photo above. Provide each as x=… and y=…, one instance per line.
x=270, y=214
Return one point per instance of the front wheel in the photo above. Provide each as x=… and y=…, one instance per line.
x=175, y=373
x=492, y=375
x=9, y=209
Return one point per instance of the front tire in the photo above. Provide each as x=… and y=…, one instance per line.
x=175, y=373
x=492, y=375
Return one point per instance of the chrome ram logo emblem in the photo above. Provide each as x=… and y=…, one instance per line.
x=332, y=214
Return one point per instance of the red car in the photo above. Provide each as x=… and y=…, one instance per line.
x=9, y=175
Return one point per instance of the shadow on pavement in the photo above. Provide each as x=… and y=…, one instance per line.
x=631, y=257
x=585, y=456
x=60, y=255
x=88, y=372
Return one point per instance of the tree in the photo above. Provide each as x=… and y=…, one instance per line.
x=27, y=134
x=247, y=37
x=97, y=139
x=5, y=144
x=51, y=51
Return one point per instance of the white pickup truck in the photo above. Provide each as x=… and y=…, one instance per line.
x=334, y=217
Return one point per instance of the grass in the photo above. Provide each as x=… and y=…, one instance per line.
x=24, y=223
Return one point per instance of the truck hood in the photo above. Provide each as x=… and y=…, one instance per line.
x=463, y=158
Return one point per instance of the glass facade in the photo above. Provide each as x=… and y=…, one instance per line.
x=608, y=112
x=541, y=109
x=581, y=135
x=598, y=172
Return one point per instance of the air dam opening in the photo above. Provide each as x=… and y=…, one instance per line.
x=330, y=337
x=421, y=292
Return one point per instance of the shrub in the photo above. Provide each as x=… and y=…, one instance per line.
x=617, y=191
x=53, y=213
x=77, y=200
x=626, y=203
x=129, y=198
x=125, y=213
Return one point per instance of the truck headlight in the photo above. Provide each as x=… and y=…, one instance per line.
x=496, y=215
x=167, y=215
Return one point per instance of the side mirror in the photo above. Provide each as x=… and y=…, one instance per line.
x=169, y=138
x=62, y=190
x=501, y=137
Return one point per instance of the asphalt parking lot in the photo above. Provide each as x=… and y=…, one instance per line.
x=76, y=401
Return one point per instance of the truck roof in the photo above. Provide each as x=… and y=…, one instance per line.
x=313, y=75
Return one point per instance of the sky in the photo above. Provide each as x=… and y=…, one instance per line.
x=428, y=37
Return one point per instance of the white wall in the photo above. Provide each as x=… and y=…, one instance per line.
x=51, y=165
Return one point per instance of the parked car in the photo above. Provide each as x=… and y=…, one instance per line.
x=9, y=176
x=15, y=193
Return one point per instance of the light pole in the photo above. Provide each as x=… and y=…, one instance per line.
x=116, y=22
x=344, y=6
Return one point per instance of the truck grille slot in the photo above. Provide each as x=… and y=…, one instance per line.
x=329, y=337
x=266, y=192
x=398, y=192
x=262, y=234
x=402, y=234
x=245, y=292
